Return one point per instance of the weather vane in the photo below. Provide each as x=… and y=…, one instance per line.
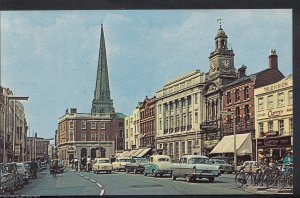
x=220, y=21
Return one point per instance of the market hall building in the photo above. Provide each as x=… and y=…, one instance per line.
x=274, y=118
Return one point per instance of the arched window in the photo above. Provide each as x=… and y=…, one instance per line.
x=83, y=152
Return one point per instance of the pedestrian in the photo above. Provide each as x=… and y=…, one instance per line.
x=261, y=157
x=72, y=163
x=76, y=164
x=288, y=160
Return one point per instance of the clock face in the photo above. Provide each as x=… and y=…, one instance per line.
x=226, y=64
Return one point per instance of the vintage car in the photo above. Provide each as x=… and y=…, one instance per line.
x=192, y=167
x=158, y=165
x=137, y=165
x=247, y=166
x=31, y=168
x=12, y=168
x=224, y=167
x=22, y=170
x=120, y=163
x=7, y=181
x=102, y=165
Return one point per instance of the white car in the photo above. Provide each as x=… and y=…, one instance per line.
x=102, y=165
x=120, y=163
x=158, y=165
x=192, y=167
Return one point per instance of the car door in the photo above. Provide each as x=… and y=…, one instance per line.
x=183, y=166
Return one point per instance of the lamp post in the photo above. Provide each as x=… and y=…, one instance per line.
x=234, y=137
x=8, y=98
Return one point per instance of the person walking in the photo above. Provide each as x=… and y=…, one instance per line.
x=288, y=160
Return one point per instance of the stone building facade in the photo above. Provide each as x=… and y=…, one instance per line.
x=274, y=118
x=179, y=108
x=13, y=128
x=37, y=148
x=132, y=129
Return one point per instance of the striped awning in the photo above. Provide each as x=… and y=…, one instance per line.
x=132, y=152
x=145, y=151
x=125, y=154
x=137, y=152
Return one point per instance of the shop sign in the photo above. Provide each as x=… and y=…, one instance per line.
x=274, y=142
x=276, y=86
x=208, y=127
x=271, y=134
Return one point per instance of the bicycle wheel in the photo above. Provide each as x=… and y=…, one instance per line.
x=240, y=179
x=259, y=177
x=281, y=180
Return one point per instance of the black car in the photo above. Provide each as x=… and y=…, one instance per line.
x=137, y=165
x=32, y=168
x=12, y=168
x=7, y=181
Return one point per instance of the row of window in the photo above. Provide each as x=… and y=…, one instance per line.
x=177, y=123
x=147, y=113
x=237, y=95
x=175, y=153
x=238, y=114
x=93, y=125
x=148, y=126
x=280, y=100
x=182, y=102
x=281, y=128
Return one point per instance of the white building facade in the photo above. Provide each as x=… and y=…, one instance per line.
x=179, y=112
x=132, y=130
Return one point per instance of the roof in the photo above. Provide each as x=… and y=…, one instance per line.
x=194, y=156
x=120, y=115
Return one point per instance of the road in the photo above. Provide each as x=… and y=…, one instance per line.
x=121, y=183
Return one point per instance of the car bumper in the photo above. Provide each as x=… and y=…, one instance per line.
x=164, y=171
x=206, y=175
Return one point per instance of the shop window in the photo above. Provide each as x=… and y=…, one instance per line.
x=281, y=126
x=270, y=102
x=280, y=100
x=260, y=104
x=270, y=126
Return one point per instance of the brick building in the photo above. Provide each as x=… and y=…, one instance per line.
x=147, y=122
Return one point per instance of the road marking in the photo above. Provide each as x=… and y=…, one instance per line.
x=99, y=185
x=87, y=178
x=93, y=180
x=102, y=192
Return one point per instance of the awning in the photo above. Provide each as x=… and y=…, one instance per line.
x=137, y=152
x=132, y=152
x=125, y=154
x=226, y=145
x=144, y=152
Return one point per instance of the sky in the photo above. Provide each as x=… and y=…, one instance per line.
x=52, y=56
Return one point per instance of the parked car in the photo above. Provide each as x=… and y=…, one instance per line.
x=137, y=165
x=22, y=170
x=224, y=167
x=226, y=159
x=31, y=168
x=43, y=166
x=59, y=163
x=102, y=165
x=7, y=181
x=192, y=167
x=158, y=165
x=12, y=168
x=120, y=163
x=247, y=165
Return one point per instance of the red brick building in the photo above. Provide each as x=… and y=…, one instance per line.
x=238, y=97
x=147, y=123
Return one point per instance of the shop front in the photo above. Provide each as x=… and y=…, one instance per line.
x=274, y=147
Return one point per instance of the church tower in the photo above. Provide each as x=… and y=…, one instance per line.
x=102, y=102
x=222, y=59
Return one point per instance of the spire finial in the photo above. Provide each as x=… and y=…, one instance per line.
x=220, y=21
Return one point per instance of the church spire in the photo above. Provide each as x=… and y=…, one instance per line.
x=102, y=102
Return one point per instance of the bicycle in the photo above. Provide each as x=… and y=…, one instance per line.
x=242, y=177
x=288, y=176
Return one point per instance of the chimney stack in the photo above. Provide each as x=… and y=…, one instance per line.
x=73, y=110
x=273, y=62
x=242, y=72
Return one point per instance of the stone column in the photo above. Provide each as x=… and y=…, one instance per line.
x=180, y=113
x=169, y=115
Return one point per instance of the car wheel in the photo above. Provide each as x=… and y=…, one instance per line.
x=173, y=176
x=145, y=174
x=127, y=170
x=154, y=174
x=161, y=175
x=109, y=172
x=135, y=171
x=188, y=178
x=211, y=179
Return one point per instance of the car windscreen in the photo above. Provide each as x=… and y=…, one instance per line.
x=163, y=159
x=9, y=168
x=103, y=161
x=141, y=160
x=199, y=161
x=219, y=162
x=27, y=165
x=20, y=166
x=125, y=160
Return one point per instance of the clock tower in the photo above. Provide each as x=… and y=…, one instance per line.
x=222, y=60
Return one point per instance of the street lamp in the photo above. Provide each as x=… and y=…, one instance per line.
x=234, y=136
x=8, y=98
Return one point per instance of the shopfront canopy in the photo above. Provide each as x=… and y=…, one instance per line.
x=226, y=145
